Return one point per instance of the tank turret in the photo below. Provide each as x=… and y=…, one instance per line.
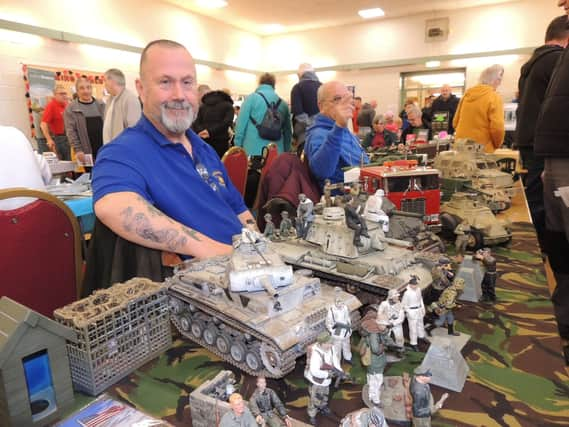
x=370, y=269
x=250, y=308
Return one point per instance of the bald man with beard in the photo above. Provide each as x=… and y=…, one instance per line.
x=158, y=184
x=330, y=146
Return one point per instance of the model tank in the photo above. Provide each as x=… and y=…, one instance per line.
x=250, y=308
x=370, y=270
x=467, y=165
x=486, y=228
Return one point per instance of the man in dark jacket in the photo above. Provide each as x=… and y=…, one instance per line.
x=303, y=100
x=552, y=142
x=534, y=78
x=215, y=117
x=417, y=131
x=365, y=118
x=446, y=102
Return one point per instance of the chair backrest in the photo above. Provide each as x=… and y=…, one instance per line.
x=270, y=153
x=236, y=162
x=40, y=252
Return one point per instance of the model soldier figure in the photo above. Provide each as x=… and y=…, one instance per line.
x=489, y=280
x=423, y=402
x=392, y=310
x=266, y=406
x=377, y=338
x=354, y=220
x=339, y=324
x=322, y=365
x=239, y=416
x=327, y=193
x=304, y=215
x=269, y=226
x=412, y=303
x=285, y=229
x=368, y=417
x=442, y=277
x=444, y=307
x=378, y=208
x=462, y=232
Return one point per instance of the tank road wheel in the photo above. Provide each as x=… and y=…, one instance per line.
x=222, y=343
x=210, y=334
x=253, y=361
x=238, y=351
x=271, y=359
x=175, y=305
x=197, y=328
x=475, y=240
x=185, y=322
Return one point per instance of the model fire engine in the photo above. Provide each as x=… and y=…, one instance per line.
x=410, y=187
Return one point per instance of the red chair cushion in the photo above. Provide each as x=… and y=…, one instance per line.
x=37, y=257
x=237, y=165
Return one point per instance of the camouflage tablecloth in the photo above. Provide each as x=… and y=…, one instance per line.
x=517, y=375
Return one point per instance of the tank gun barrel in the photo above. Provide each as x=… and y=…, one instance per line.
x=407, y=214
x=396, y=242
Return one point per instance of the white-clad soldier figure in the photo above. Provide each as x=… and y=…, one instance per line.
x=412, y=302
x=392, y=310
x=376, y=209
x=339, y=324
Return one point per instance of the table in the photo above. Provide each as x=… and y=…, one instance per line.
x=517, y=375
x=83, y=210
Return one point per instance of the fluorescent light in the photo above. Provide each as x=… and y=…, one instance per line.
x=212, y=4
x=376, y=12
x=432, y=64
x=273, y=28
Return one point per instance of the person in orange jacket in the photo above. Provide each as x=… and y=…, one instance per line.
x=480, y=113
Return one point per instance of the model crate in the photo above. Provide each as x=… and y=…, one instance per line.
x=118, y=330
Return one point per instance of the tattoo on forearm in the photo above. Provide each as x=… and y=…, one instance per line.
x=140, y=224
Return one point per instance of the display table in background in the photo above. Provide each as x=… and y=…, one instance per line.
x=517, y=375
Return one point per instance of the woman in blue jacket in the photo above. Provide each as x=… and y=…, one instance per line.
x=253, y=111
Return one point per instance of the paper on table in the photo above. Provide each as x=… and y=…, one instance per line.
x=563, y=192
x=88, y=160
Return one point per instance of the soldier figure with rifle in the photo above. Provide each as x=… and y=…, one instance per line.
x=339, y=324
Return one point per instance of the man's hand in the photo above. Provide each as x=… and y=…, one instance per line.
x=80, y=155
x=51, y=145
x=259, y=420
x=287, y=421
x=204, y=134
x=344, y=110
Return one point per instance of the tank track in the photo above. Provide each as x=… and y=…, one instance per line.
x=288, y=357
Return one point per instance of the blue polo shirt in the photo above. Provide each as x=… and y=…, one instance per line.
x=195, y=192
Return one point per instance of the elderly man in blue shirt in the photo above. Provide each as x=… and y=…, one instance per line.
x=158, y=184
x=330, y=146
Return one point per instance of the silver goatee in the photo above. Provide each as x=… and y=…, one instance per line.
x=181, y=122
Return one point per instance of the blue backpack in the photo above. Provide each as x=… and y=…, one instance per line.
x=271, y=126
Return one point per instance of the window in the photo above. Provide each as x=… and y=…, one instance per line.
x=41, y=394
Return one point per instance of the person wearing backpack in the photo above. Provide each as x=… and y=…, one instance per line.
x=264, y=118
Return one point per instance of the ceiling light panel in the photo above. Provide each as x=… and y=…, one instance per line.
x=211, y=4
x=376, y=12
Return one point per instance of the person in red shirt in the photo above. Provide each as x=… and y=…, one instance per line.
x=357, y=108
x=52, y=124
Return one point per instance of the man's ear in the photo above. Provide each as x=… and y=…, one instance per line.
x=140, y=90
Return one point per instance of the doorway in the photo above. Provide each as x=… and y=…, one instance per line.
x=420, y=85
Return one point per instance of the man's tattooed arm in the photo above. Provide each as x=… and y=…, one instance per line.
x=134, y=219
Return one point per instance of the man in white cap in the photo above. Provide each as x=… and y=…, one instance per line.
x=392, y=310
x=414, y=311
x=378, y=208
x=339, y=324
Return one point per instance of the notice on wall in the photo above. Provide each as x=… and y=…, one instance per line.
x=40, y=82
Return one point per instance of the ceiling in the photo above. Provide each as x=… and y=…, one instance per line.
x=300, y=15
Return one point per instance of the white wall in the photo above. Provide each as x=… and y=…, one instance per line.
x=129, y=22
x=508, y=26
x=519, y=24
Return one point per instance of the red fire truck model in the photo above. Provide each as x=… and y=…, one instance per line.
x=410, y=188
